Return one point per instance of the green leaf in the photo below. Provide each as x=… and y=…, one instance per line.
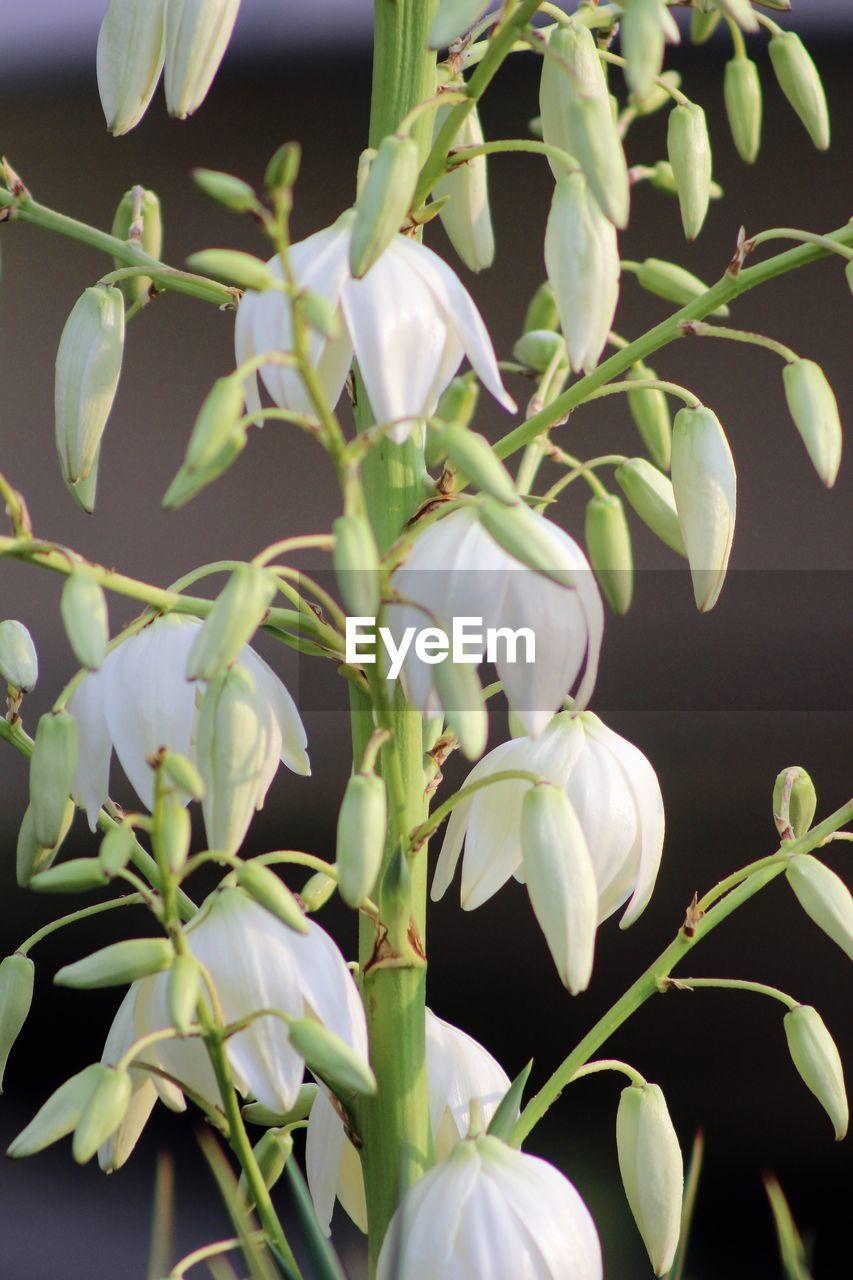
x=324, y=1260
x=791, y=1249
x=257, y=1256
x=162, y=1219
x=503, y=1121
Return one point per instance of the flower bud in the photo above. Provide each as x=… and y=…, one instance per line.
x=817, y=1059
x=813, y=407
x=673, y=283
x=239, y=610
x=602, y=157
x=283, y=168
x=663, y=179
x=262, y=884
x=231, y=748
x=331, y=1058
x=740, y=11
x=17, y=974
x=171, y=832
x=217, y=418
x=256, y=1113
x=466, y=217
x=582, y=261
x=848, y=271
x=356, y=560
x=183, y=773
x=59, y=1115
x=88, y=364
x=129, y=60
x=453, y=19
x=84, y=491
x=77, y=875
x=541, y=311
x=197, y=35
x=459, y=402
x=472, y=456
x=231, y=192
x=139, y=220
x=824, y=897
x=384, y=201
x=272, y=1153
x=118, y=964
x=362, y=822
x=182, y=992
x=650, y=493
x=84, y=614
x=116, y=849
x=645, y=25
x=191, y=480
x=458, y=687
x=650, y=410
x=103, y=1112
x=652, y=1170
x=705, y=486
x=243, y=270
x=538, y=348
x=320, y=313
x=52, y=766
x=689, y=151
x=794, y=802
x=521, y=536
x=560, y=881
x=703, y=25
x=19, y=665
x=742, y=91
x=800, y=82
x=31, y=856
x=317, y=891
x=608, y=545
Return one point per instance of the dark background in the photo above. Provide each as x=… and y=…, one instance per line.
x=719, y=703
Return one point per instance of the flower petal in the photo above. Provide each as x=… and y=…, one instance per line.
x=94, y=746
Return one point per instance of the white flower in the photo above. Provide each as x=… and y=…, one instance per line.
x=197, y=35
x=466, y=217
x=491, y=1213
x=704, y=483
x=140, y=701
x=457, y=570
x=256, y=962
x=408, y=322
x=129, y=60
x=459, y=1071
x=613, y=790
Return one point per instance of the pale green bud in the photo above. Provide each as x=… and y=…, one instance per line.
x=689, y=150
x=52, y=766
x=800, y=82
x=171, y=832
x=740, y=11
x=705, y=486
x=19, y=665
x=33, y=857
x=320, y=313
x=331, y=1058
x=537, y=348
x=183, y=773
x=263, y=885
x=239, y=610
x=182, y=992
x=190, y=481
x=362, y=823
x=642, y=35
x=650, y=493
x=818, y=1061
x=813, y=407
x=129, y=60
x=542, y=311
x=283, y=168
x=84, y=615
x=384, y=201
x=794, y=802
x=848, y=271
x=599, y=149
x=234, y=267
x=197, y=35
x=650, y=410
x=674, y=283
x=217, y=419
x=466, y=217
x=516, y=530
x=139, y=220
x=118, y=964
x=663, y=179
x=77, y=875
x=85, y=491
x=257, y=1113
x=461, y=696
x=116, y=849
x=59, y=1115
x=88, y=364
x=473, y=456
x=652, y=1170
x=103, y=1113
x=659, y=96
x=272, y=1153
x=453, y=19
x=742, y=91
x=229, y=753
x=608, y=545
x=231, y=192
x=17, y=975
x=703, y=24
x=316, y=891
x=356, y=560
x=458, y=403
x=824, y=897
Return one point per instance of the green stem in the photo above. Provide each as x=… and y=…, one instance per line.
x=423, y=832
x=609, y=1064
x=805, y=237
x=652, y=384
x=581, y=470
x=508, y=146
x=127, y=900
x=650, y=983
x=701, y=329
x=726, y=290
x=730, y=984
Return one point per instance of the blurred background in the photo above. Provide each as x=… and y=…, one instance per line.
x=720, y=703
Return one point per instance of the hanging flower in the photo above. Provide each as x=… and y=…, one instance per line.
x=488, y=1210
x=140, y=701
x=459, y=1072
x=408, y=323
x=612, y=789
x=458, y=570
